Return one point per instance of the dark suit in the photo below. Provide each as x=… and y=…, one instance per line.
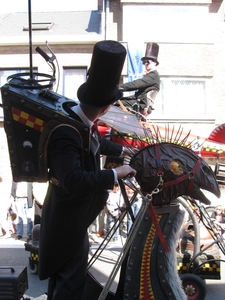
x=70, y=208
x=150, y=81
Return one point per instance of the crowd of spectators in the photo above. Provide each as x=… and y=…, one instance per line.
x=20, y=209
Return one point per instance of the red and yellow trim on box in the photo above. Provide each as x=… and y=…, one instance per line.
x=27, y=119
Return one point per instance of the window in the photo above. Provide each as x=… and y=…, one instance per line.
x=39, y=26
x=167, y=23
x=72, y=79
x=4, y=73
x=183, y=99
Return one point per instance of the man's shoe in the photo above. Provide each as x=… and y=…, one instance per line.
x=19, y=237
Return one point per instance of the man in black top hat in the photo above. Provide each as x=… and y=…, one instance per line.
x=77, y=189
x=147, y=87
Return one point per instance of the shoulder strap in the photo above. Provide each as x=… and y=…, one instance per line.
x=46, y=134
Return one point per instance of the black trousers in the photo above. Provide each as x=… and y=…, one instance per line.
x=68, y=282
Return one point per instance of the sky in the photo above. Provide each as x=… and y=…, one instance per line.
x=9, y=6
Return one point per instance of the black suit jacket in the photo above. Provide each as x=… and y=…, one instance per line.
x=71, y=207
x=150, y=81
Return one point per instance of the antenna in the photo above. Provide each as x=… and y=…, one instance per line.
x=30, y=38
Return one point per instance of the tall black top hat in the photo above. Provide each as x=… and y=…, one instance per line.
x=152, y=51
x=101, y=87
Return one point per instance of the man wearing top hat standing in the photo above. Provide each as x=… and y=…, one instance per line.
x=77, y=190
x=146, y=87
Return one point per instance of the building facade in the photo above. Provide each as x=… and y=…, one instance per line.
x=191, y=36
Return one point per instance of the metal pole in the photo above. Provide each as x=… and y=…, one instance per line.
x=30, y=38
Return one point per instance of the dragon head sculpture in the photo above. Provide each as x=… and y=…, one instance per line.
x=175, y=170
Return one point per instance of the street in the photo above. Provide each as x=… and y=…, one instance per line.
x=13, y=254
x=17, y=256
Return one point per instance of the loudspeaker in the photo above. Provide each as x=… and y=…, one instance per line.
x=28, y=115
x=13, y=282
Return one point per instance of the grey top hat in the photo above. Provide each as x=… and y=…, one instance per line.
x=101, y=87
x=152, y=51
